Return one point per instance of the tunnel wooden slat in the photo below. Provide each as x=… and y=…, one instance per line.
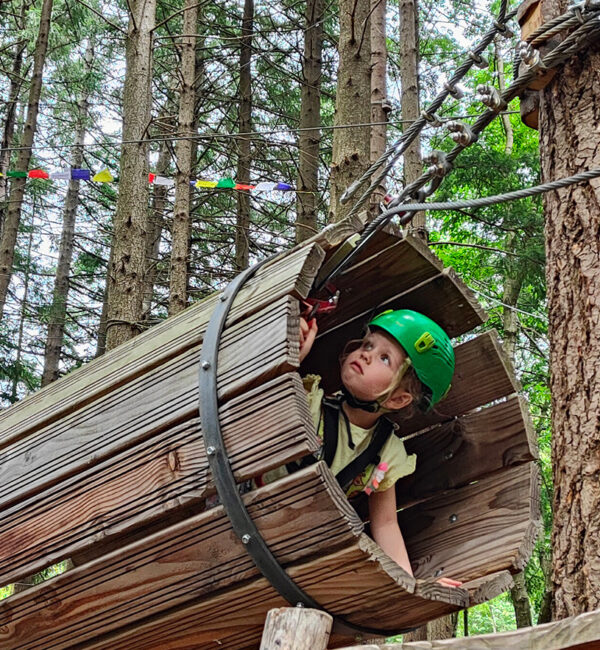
x=164, y=474
x=465, y=449
x=107, y=466
x=289, y=275
x=475, y=530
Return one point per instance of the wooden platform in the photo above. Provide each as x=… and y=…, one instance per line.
x=574, y=633
x=107, y=467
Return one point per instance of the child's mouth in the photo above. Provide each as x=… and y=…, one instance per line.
x=356, y=366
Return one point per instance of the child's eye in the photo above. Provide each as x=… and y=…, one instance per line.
x=367, y=345
x=386, y=359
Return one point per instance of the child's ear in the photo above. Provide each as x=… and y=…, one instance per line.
x=399, y=400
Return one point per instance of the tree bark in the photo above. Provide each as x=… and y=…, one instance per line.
x=180, y=248
x=242, y=234
x=126, y=273
x=570, y=143
x=13, y=213
x=379, y=105
x=58, y=308
x=351, y=145
x=310, y=119
x=409, y=78
x=9, y=123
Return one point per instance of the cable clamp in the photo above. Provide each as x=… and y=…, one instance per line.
x=461, y=133
x=455, y=91
x=531, y=58
x=503, y=29
x=432, y=118
x=439, y=165
x=490, y=96
x=479, y=60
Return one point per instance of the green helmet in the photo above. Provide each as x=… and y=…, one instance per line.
x=427, y=346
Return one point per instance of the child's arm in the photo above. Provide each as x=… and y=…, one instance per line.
x=386, y=532
x=385, y=529
x=308, y=332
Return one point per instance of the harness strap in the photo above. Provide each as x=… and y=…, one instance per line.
x=370, y=456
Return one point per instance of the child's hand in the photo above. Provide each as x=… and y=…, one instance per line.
x=308, y=332
x=448, y=582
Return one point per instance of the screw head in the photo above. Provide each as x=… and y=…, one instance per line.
x=246, y=539
x=222, y=297
x=205, y=365
x=211, y=451
x=453, y=518
x=449, y=455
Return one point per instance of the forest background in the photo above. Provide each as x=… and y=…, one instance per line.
x=245, y=91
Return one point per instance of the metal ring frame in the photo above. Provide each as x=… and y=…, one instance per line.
x=220, y=466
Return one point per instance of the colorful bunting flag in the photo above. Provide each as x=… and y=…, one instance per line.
x=103, y=176
x=161, y=180
x=37, y=173
x=61, y=175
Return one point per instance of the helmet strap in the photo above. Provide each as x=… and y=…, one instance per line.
x=370, y=406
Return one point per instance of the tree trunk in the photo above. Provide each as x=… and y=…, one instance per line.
x=156, y=220
x=310, y=119
x=58, y=308
x=351, y=146
x=440, y=628
x=508, y=130
x=13, y=213
x=126, y=273
x=409, y=78
x=9, y=123
x=23, y=316
x=570, y=143
x=379, y=105
x=180, y=248
x=242, y=235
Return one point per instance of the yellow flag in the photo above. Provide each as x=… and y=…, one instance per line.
x=206, y=183
x=103, y=176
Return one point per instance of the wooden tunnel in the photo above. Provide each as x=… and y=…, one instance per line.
x=107, y=467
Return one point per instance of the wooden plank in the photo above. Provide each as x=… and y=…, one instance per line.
x=386, y=267
x=484, y=589
x=160, y=478
x=181, y=564
x=289, y=275
x=359, y=583
x=476, y=530
x=463, y=450
x=261, y=347
x=580, y=632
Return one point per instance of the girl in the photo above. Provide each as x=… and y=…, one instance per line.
x=404, y=361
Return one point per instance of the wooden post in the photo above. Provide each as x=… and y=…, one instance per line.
x=296, y=628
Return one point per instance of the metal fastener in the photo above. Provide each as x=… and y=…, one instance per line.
x=453, y=519
x=205, y=365
x=210, y=451
x=449, y=455
x=222, y=297
x=246, y=539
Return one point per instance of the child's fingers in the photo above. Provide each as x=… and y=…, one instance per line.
x=311, y=333
x=307, y=336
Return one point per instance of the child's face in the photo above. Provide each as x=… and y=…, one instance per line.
x=368, y=371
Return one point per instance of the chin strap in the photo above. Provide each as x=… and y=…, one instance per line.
x=371, y=406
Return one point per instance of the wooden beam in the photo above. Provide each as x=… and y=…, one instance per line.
x=574, y=633
x=300, y=628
